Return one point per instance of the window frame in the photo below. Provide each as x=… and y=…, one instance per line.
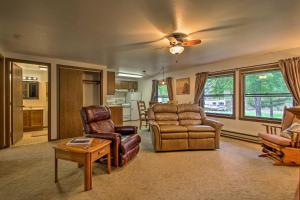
x=160, y=83
x=242, y=89
x=217, y=115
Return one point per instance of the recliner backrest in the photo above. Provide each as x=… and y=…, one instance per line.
x=97, y=119
x=165, y=114
x=190, y=114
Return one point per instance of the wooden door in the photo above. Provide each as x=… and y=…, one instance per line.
x=70, y=102
x=111, y=83
x=17, y=103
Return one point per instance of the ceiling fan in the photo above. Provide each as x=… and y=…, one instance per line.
x=178, y=41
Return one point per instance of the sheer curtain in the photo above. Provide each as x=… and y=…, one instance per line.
x=199, y=85
x=290, y=69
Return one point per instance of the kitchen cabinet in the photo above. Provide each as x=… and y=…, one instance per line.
x=111, y=83
x=128, y=85
x=32, y=120
x=117, y=114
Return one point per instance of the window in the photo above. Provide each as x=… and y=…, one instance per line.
x=264, y=94
x=218, y=97
x=163, y=96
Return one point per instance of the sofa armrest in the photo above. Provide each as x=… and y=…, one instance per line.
x=213, y=123
x=126, y=130
x=155, y=135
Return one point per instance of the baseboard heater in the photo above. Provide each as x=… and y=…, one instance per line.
x=240, y=136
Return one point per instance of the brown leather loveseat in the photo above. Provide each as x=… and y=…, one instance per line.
x=182, y=127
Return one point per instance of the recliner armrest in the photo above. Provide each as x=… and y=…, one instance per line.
x=126, y=130
x=109, y=136
x=213, y=123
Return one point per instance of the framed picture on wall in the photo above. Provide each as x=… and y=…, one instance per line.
x=182, y=86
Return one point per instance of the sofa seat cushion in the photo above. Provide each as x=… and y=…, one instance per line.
x=275, y=139
x=201, y=135
x=174, y=136
x=199, y=128
x=172, y=129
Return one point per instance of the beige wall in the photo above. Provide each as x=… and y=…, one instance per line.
x=54, y=62
x=236, y=125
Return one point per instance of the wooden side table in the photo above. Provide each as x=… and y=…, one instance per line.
x=84, y=155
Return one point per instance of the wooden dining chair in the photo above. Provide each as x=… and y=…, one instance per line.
x=142, y=113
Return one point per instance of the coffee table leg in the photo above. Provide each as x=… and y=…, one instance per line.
x=88, y=173
x=108, y=163
x=55, y=169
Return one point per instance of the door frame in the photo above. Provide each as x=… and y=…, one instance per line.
x=58, y=67
x=2, y=72
x=8, y=109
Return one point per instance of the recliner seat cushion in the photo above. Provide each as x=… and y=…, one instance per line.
x=172, y=129
x=174, y=136
x=200, y=128
x=201, y=135
x=275, y=139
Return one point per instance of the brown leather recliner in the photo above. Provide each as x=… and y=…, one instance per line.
x=97, y=123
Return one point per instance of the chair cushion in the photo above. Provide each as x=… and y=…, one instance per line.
x=172, y=129
x=174, y=135
x=200, y=128
x=276, y=139
x=201, y=135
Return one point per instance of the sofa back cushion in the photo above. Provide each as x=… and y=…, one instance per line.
x=189, y=114
x=165, y=114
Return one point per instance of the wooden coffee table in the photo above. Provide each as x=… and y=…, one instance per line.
x=84, y=155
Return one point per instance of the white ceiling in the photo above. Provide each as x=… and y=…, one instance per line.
x=104, y=32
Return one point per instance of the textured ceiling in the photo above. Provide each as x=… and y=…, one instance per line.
x=116, y=32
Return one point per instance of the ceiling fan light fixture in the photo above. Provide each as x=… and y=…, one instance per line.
x=176, y=49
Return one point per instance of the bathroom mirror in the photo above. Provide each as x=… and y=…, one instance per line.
x=30, y=90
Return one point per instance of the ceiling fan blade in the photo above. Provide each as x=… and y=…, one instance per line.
x=226, y=24
x=138, y=45
x=191, y=42
x=161, y=14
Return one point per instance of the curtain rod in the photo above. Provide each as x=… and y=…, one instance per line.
x=247, y=67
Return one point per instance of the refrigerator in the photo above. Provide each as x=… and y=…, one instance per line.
x=132, y=98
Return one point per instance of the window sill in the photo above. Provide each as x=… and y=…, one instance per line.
x=264, y=120
x=220, y=116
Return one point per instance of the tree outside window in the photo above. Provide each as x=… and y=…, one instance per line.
x=218, y=97
x=265, y=94
x=163, y=96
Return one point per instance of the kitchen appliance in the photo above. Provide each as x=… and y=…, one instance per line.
x=132, y=98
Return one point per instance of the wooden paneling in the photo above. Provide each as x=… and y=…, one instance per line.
x=17, y=104
x=117, y=115
x=2, y=132
x=111, y=83
x=70, y=102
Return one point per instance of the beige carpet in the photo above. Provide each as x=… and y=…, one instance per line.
x=234, y=172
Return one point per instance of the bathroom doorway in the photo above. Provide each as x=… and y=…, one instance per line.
x=28, y=91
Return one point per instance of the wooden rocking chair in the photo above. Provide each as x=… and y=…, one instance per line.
x=283, y=150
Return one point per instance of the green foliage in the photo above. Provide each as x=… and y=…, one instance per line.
x=265, y=83
x=219, y=85
x=162, y=90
